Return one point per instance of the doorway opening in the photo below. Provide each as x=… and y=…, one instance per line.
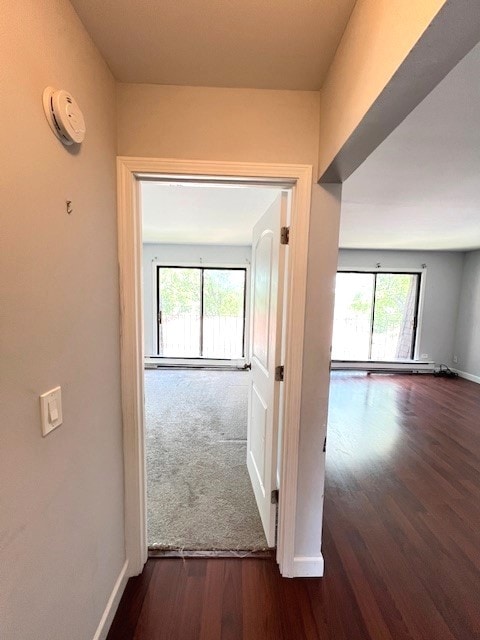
x=213, y=283
x=131, y=171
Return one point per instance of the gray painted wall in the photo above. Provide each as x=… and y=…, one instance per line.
x=442, y=285
x=181, y=254
x=467, y=337
x=61, y=497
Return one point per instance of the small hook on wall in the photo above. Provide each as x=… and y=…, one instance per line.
x=69, y=206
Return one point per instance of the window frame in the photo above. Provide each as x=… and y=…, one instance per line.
x=419, y=295
x=202, y=267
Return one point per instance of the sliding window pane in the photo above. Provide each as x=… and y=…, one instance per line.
x=223, y=309
x=179, y=303
x=394, y=317
x=353, y=316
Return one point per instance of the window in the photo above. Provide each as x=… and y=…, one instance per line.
x=375, y=315
x=201, y=312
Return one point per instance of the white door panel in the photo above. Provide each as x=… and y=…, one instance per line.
x=266, y=311
x=262, y=283
x=258, y=418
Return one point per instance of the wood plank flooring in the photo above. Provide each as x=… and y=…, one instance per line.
x=401, y=536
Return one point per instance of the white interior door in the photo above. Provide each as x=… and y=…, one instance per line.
x=265, y=351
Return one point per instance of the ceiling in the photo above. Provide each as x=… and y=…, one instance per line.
x=420, y=189
x=198, y=214
x=264, y=44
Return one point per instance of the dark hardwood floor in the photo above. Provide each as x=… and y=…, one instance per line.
x=401, y=537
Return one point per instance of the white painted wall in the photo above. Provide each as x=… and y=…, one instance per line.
x=323, y=255
x=376, y=41
x=442, y=284
x=61, y=497
x=467, y=337
x=181, y=254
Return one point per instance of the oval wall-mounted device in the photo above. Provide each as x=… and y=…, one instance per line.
x=64, y=115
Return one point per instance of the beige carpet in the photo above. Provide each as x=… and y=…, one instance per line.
x=199, y=492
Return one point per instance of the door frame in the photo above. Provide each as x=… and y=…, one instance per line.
x=130, y=170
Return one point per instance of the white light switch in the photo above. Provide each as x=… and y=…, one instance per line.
x=51, y=410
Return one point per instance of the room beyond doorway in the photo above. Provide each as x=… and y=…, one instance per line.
x=199, y=494
x=215, y=278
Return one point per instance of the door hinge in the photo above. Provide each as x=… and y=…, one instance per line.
x=324, y=444
x=279, y=373
x=274, y=496
x=159, y=317
x=285, y=235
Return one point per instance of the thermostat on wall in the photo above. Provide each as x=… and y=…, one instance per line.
x=64, y=115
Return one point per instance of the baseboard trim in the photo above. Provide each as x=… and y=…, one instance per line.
x=394, y=366
x=308, y=566
x=112, y=604
x=159, y=362
x=226, y=553
x=467, y=376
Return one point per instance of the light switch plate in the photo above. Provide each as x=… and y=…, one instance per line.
x=51, y=410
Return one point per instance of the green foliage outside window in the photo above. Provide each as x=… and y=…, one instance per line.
x=391, y=300
x=180, y=291
x=223, y=293
x=392, y=293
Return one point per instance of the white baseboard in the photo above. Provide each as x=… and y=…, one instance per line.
x=393, y=366
x=467, y=376
x=112, y=604
x=151, y=362
x=308, y=566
